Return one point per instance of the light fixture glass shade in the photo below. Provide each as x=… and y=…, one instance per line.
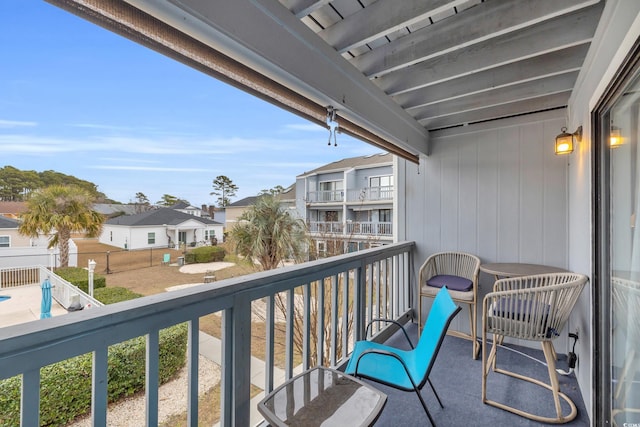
x=564, y=142
x=615, y=139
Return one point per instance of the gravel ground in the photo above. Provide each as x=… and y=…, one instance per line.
x=172, y=397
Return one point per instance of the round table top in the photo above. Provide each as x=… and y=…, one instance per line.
x=515, y=269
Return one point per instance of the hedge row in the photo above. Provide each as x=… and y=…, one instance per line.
x=205, y=254
x=80, y=278
x=65, y=387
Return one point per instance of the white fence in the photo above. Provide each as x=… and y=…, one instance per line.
x=36, y=255
x=62, y=291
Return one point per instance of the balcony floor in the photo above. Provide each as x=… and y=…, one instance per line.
x=458, y=380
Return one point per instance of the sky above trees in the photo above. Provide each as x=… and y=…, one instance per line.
x=80, y=100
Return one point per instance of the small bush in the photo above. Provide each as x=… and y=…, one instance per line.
x=65, y=387
x=80, y=278
x=205, y=254
x=113, y=295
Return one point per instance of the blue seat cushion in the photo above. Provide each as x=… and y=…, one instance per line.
x=453, y=283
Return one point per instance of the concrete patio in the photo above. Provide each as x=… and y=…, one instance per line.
x=24, y=305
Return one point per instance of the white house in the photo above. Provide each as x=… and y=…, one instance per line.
x=163, y=227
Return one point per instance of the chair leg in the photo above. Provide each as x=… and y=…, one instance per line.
x=554, y=387
x=419, y=312
x=424, y=405
x=435, y=392
x=475, y=348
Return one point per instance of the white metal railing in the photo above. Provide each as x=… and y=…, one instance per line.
x=333, y=227
x=370, y=228
x=325, y=196
x=370, y=194
x=352, y=228
x=13, y=277
x=320, y=300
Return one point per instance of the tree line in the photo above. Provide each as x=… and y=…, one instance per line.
x=16, y=184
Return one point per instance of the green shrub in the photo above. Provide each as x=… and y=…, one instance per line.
x=65, y=387
x=113, y=295
x=205, y=254
x=80, y=278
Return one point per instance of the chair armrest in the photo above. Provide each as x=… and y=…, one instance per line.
x=385, y=353
x=398, y=324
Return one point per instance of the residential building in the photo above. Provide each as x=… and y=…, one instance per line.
x=470, y=97
x=17, y=250
x=233, y=211
x=348, y=204
x=12, y=209
x=162, y=227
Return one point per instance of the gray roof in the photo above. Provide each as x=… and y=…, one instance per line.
x=353, y=162
x=247, y=201
x=8, y=222
x=110, y=209
x=160, y=216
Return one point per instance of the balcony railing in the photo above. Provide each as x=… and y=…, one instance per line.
x=370, y=228
x=325, y=303
x=352, y=228
x=329, y=227
x=325, y=196
x=370, y=194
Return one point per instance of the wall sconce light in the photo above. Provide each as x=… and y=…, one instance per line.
x=615, y=139
x=564, y=141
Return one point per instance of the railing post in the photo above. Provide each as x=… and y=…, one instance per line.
x=236, y=357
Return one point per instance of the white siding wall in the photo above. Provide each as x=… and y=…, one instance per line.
x=496, y=190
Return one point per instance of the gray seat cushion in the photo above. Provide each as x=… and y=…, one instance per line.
x=454, y=283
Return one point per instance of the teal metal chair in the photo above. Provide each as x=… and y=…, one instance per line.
x=166, y=259
x=406, y=370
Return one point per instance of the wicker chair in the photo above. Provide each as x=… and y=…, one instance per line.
x=459, y=272
x=533, y=308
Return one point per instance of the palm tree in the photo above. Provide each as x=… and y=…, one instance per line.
x=61, y=210
x=268, y=234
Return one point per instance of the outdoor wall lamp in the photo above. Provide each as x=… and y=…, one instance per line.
x=615, y=139
x=564, y=141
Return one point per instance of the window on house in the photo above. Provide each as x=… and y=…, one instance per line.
x=381, y=181
x=151, y=238
x=331, y=191
x=331, y=216
x=111, y=236
x=384, y=215
x=5, y=241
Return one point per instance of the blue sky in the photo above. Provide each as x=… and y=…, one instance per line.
x=80, y=100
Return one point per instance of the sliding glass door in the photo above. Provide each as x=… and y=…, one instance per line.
x=618, y=251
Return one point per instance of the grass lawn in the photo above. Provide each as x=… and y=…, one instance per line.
x=152, y=280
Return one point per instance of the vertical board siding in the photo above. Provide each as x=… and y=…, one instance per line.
x=498, y=192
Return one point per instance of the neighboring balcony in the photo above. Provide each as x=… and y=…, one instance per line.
x=324, y=305
x=325, y=196
x=371, y=194
x=384, y=229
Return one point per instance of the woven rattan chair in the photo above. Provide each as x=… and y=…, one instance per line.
x=458, y=271
x=533, y=308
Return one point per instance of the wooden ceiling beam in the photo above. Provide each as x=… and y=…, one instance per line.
x=558, y=100
x=538, y=67
x=482, y=22
x=382, y=17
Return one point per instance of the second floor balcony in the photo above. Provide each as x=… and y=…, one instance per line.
x=360, y=228
x=371, y=194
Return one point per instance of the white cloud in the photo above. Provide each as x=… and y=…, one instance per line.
x=16, y=124
x=147, y=168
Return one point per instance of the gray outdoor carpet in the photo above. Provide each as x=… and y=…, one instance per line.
x=458, y=381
